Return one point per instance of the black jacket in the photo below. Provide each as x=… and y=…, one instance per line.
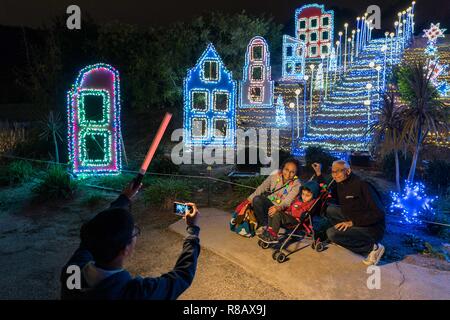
x=121, y=285
x=359, y=201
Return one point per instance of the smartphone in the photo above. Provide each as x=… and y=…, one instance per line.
x=179, y=208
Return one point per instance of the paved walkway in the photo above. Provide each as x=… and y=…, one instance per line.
x=334, y=273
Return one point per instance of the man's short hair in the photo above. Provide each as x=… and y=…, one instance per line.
x=343, y=163
x=107, y=234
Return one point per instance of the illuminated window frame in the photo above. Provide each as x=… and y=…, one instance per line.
x=262, y=52
x=227, y=121
x=107, y=141
x=322, y=46
x=310, y=50
x=311, y=19
x=203, y=119
x=213, y=80
x=262, y=73
x=321, y=35
x=227, y=93
x=261, y=97
x=105, y=107
x=206, y=92
x=303, y=20
x=329, y=21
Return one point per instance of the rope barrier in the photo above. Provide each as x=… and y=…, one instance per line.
x=172, y=175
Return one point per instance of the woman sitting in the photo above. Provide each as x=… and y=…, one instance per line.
x=276, y=193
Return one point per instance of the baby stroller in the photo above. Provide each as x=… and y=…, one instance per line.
x=303, y=229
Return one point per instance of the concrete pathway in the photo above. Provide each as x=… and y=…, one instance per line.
x=334, y=273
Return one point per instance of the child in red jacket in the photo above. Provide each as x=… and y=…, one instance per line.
x=309, y=192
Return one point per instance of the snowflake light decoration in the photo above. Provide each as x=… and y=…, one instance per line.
x=412, y=202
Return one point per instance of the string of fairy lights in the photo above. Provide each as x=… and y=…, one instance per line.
x=104, y=132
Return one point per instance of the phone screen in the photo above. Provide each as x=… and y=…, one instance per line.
x=179, y=208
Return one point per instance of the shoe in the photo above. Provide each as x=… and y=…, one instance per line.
x=260, y=230
x=375, y=255
x=267, y=237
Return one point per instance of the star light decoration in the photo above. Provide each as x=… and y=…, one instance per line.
x=412, y=202
x=436, y=68
x=434, y=32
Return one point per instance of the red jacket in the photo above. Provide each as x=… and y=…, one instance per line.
x=298, y=208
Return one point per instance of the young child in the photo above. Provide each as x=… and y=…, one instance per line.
x=307, y=195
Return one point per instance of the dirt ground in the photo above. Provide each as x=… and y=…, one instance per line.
x=36, y=240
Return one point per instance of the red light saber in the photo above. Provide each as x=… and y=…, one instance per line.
x=151, y=152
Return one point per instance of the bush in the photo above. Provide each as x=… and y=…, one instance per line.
x=93, y=200
x=16, y=172
x=163, y=192
x=251, y=182
x=56, y=184
x=318, y=154
x=117, y=182
x=388, y=165
x=163, y=164
x=437, y=174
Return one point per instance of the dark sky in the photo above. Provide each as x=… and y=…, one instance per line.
x=34, y=13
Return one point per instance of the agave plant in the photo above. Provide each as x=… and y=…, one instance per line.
x=52, y=127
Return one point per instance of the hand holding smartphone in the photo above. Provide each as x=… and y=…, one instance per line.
x=179, y=208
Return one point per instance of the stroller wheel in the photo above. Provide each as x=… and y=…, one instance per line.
x=275, y=254
x=264, y=245
x=260, y=243
x=319, y=247
x=281, y=257
x=313, y=246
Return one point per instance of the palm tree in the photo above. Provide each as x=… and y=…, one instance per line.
x=387, y=130
x=424, y=113
x=52, y=126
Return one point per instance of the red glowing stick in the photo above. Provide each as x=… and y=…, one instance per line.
x=151, y=152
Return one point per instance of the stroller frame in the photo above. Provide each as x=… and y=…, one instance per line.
x=281, y=254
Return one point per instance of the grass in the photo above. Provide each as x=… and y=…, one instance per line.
x=56, y=184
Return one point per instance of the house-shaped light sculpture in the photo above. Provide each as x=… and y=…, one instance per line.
x=94, y=134
x=209, y=96
x=256, y=87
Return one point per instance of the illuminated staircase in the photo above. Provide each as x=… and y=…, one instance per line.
x=341, y=121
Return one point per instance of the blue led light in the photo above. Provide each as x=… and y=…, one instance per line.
x=209, y=102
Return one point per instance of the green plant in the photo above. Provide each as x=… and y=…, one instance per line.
x=163, y=164
x=93, y=200
x=440, y=226
x=434, y=253
x=19, y=171
x=387, y=132
x=51, y=127
x=117, y=182
x=253, y=182
x=413, y=241
x=162, y=192
x=388, y=165
x=424, y=111
x=56, y=184
x=318, y=154
x=437, y=174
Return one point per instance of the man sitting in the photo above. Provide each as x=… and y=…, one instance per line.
x=357, y=215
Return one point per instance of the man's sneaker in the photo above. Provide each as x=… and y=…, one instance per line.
x=268, y=237
x=375, y=255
